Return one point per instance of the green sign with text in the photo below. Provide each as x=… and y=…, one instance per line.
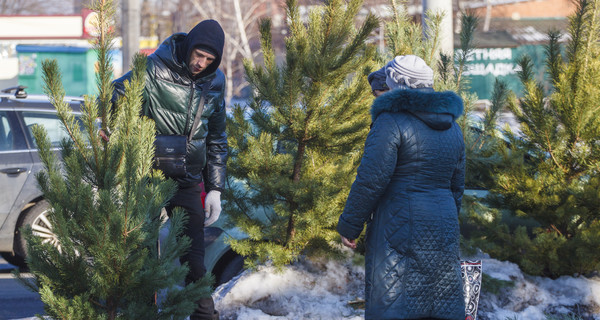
x=486, y=64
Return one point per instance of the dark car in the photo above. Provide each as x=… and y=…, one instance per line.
x=21, y=201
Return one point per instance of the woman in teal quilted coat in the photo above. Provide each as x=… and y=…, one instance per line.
x=408, y=190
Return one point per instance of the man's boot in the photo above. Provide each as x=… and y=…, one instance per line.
x=205, y=310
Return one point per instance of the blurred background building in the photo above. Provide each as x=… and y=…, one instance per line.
x=33, y=30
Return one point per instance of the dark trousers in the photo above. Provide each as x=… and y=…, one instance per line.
x=190, y=200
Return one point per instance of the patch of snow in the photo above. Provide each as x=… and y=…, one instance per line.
x=305, y=290
x=533, y=298
x=324, y=290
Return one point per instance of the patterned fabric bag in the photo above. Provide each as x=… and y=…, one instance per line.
x=471, y=275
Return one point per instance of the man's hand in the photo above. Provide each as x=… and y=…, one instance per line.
x=103, y=135
x=212, y=207
x=349, y=243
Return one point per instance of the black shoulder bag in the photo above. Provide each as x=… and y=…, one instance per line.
x=171, y=150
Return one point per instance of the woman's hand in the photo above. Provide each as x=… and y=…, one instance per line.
x=349, y=243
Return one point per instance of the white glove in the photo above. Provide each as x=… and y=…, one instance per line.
x=212, y=207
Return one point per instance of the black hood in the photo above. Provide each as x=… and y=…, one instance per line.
x=207, y=35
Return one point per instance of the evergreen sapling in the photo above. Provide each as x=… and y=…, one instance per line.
x=106, y=206
x=545, y=195
x=296, y=146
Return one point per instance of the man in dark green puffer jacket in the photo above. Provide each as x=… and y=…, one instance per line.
x=175, y=75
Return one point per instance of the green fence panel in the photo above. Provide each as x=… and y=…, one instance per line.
x=77, y=65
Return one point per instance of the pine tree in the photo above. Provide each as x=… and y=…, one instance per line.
x=481, y=136
x=546, y=193
x=404, y=36
x=483, y=140
x=296, y=147
x=105, y=205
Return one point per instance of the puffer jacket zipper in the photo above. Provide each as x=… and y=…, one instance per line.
x=189, y=115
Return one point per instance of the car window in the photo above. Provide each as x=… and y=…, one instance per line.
x=54, y=128
x=11, y=136
x=5, y=133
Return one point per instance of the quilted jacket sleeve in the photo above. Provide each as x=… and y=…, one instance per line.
x=458, y=180
x=374, y=173
x=216, y=149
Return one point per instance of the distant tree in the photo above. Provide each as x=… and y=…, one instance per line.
x=404, y=36
x=296, y=147
x=545, y=196
x=239, y=19
x=105, y=208
x=482, y=135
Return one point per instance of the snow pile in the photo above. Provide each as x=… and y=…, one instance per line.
x=324, y=290
x=305, y=290
x=534, y=298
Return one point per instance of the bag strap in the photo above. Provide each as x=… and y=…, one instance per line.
x=205, y=88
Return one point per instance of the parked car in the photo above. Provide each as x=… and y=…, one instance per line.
x=21, y=201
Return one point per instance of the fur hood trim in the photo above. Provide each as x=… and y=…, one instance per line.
x=415, y=100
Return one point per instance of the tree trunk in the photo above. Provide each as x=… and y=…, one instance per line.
x=298, y=161
x=247, y=52
x=291, y=228
x=229, y=73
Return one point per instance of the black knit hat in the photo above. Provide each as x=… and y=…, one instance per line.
x=207, y=36
x=206, y=49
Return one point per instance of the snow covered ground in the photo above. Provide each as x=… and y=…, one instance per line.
x=324, y=290
x=533, y=297
x=318, y=290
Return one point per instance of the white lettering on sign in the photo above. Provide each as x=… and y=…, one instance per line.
x=490, y=54
x=494, y=61
x=496, y=69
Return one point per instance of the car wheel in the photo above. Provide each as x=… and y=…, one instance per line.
x=232, y=269
x=37, y=218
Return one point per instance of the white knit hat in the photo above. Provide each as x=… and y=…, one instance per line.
x=410, y=71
